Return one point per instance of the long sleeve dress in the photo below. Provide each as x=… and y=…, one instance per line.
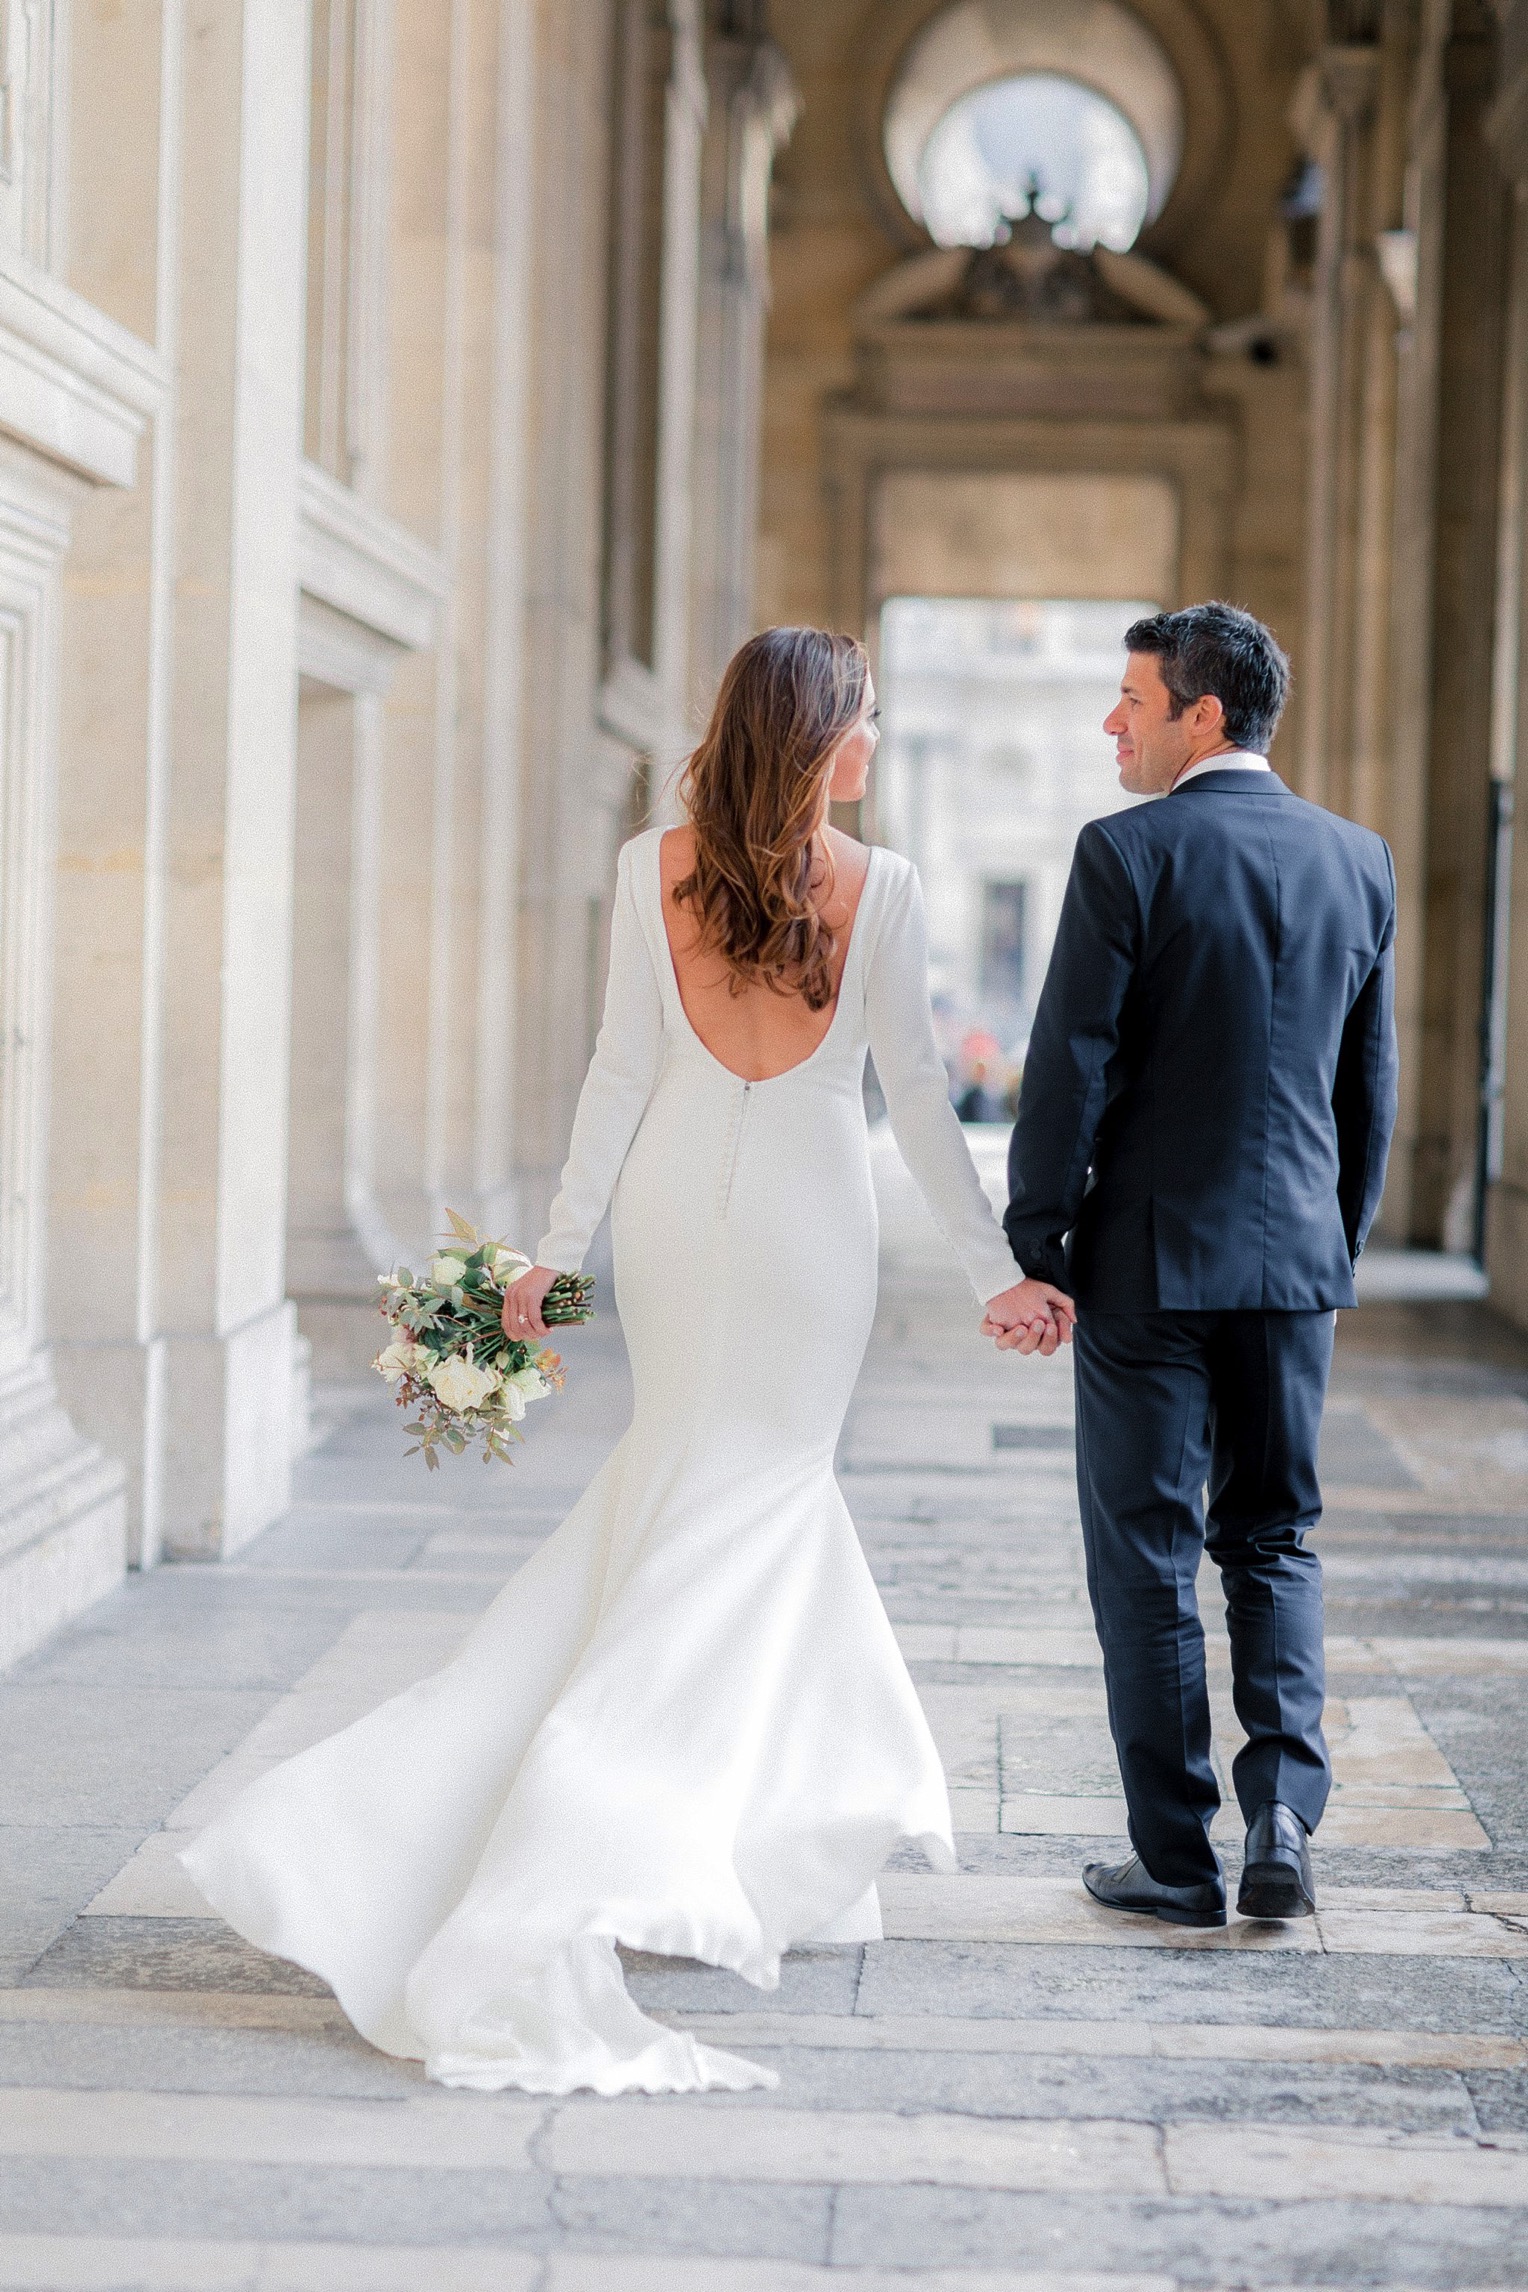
x=685, y=1725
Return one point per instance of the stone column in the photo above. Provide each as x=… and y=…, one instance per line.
x=1506, y=1143
x=1348, y=78
x=117, y=632
x=1386, y=298
x=1415, y=273
x=469, y=1137
x=371, y=595
x=1396, y=664
x=507, y=756
x=333, y=1255
x=753, y=107
x=62, y=1516
x=610, y=516
x=1370, y=453
x=1476, y=208
x=571, y=792
x=222, y=1230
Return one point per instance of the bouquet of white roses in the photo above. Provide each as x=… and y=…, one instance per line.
x=448, y=1355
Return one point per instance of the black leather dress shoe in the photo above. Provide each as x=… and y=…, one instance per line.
x=1130, y=1886
x=1276, y=1880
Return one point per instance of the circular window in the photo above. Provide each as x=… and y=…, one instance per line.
x=1034, y=141
x=1071, y=106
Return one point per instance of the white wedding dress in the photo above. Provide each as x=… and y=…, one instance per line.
x=685, y=1724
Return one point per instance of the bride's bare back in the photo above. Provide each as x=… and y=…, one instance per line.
x=757, y=1033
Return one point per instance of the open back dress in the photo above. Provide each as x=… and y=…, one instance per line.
x=684, y=1725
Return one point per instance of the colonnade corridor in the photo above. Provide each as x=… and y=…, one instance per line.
x=1014, y=2089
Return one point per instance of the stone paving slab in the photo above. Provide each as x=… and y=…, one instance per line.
x=91, y=2264
x=1107, y=2040
x=1281, y=1988
x=163, y=2264
x=295, y=2202
x=433, y=2133
x=1039, y=2088
x=1380, y=1922
x=1242, y=2243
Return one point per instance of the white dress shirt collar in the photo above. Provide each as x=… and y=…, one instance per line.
x=1235, y=760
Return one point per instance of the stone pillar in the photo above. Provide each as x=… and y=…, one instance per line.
x=117, y=630
x=434, y=839
x=1396, y=663
x=1363, y=746
x=753, y=107
x=472, y=1061
x=331, y=1270
x=62, y=1515
x=371, y=595
x=222, y=1231
x=581, y=772
x=1348, y=80
x=1445, y=1199
x=390, y=880
x=1506, y=1145
x=1415, y=273
x=610, y=511
x=1385, y=293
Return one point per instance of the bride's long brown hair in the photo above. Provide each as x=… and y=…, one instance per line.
x=753, y=791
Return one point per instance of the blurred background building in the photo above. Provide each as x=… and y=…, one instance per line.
x=405, y=407
x=992, y=760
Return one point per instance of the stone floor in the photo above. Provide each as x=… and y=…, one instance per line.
x=1014, y=2089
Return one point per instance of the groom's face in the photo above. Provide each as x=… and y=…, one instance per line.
x=1151, y=745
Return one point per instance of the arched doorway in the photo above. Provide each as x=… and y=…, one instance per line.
x=1078, y=95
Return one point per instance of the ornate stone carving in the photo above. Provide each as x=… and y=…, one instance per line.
x=1029, y=327
x=1027, y=276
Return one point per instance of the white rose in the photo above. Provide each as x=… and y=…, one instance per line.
x=461, y=1384
x=446, y=1271
x=508, y=1265
x=397, y=1359
x=514, y=1401
x=530, y=1382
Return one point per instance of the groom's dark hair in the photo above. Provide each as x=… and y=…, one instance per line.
x=1221, y=650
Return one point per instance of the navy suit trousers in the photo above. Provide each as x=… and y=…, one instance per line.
x=1170, y=1405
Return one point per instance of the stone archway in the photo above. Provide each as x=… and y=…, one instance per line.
x=1099, y=44
x=895, y=33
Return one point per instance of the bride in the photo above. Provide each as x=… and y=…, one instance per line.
x=685, y=1725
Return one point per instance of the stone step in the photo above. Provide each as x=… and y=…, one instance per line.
x=1448, y=2050
x=697, y=2140
x=107, y=2264
x=1369, y=1921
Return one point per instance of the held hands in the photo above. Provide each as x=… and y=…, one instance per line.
x=522, y=1315
x=1032, y=1317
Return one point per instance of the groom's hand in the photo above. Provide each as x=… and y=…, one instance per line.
x=1032, y=1317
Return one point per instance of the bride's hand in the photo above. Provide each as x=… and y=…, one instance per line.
x=1032, y=1317
x=522, y=1304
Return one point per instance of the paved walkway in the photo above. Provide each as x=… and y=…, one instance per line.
x=1013, y=2089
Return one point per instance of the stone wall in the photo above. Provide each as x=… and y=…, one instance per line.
x=327, y=687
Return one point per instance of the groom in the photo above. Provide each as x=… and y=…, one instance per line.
x=1199, y=1153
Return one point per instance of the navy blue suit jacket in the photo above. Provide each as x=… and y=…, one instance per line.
x=1211, y=1081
